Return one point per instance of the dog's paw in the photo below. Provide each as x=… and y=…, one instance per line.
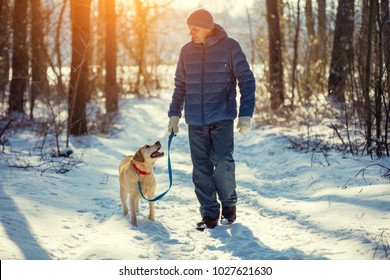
x=152, y=218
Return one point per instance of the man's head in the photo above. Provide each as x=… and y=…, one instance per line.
x=200, y=22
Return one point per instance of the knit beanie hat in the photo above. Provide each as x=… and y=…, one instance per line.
x=201, y=18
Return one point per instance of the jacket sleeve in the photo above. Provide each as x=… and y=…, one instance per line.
x=246, y=80
x=179, y=93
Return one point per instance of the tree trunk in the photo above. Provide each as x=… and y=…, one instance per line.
x=322, y=41
x=310, y=83
x=311, y=33
x=111, y=51
x=57, y=48
x=361, y=47
x=294, y=80
x=379, y=80
x=386, y=32
x=78, y=88
x=251, y=38
x=5, y=32
x=322, y=29
x=386, y=54
x=342, y=54
x=19, y=60
x=367, y=75
x=99, y=57
x=141, y=33
x=275, y=55
x=39, y=83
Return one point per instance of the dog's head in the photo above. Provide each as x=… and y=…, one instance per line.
x=149, y=153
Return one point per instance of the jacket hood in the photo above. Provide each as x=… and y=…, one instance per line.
x=218, y=34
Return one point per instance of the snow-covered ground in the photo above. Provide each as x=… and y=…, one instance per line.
x=292, y=205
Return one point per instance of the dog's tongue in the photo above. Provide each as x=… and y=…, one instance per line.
x=157, y=154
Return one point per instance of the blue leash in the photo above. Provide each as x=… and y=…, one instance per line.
x=169, y=172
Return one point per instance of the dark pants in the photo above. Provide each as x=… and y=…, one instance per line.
x=213, y=166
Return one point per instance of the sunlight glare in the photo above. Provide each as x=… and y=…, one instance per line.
x=218, y=6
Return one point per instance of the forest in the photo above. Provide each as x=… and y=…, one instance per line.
x=85, y=83
x=312, y=59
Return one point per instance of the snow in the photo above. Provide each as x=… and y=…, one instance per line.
x=293, y=205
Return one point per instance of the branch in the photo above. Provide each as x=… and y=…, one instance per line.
x=5, y=128
x=386, y=174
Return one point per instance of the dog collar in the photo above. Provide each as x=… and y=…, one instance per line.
x=140, y=171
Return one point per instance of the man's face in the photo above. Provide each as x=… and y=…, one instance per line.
x=198, y=34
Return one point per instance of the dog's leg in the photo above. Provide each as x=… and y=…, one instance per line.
x=151, y=208
x=132, y=211
x=136, y=205
x=123, y=195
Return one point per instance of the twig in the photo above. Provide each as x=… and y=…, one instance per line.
x=345, y=185
x=385, y=175
x=5, y=128
x=61, y=166
x=338, y=134
x=384, y=244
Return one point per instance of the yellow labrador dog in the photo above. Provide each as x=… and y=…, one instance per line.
x=139, y=167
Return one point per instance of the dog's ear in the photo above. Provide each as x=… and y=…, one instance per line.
x=139, y=156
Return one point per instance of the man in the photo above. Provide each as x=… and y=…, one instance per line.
x=206, y=76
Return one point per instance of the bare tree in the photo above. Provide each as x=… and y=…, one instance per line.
x=367, y=76
x=386, y=53
x=251, y=37
x=386, y=32
x=142, y=23
x=342, y=54
x=362, y=43
x=381, y=100
x=39, y=83
x=78, y=88
x=19, y=60
x=60, y=83
x=275, y=55
x=316, y=22
x=311, y=29
x=111, y=52
x=141, y=36
x=322, y=31
x=5, y=32
x=294, y=79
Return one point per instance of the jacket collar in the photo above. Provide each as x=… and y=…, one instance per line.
x=219, y=34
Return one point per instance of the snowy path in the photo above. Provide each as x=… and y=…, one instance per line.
x=291, y=205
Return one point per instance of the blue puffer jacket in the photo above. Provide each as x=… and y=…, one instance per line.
x=206, y=79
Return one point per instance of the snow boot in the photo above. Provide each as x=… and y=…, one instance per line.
x=228, y=215
x=207, y=222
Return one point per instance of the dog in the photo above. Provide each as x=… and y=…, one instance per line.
x=139, y=167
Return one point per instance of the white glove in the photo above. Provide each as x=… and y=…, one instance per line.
x=173, y=124
x=244, y=124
